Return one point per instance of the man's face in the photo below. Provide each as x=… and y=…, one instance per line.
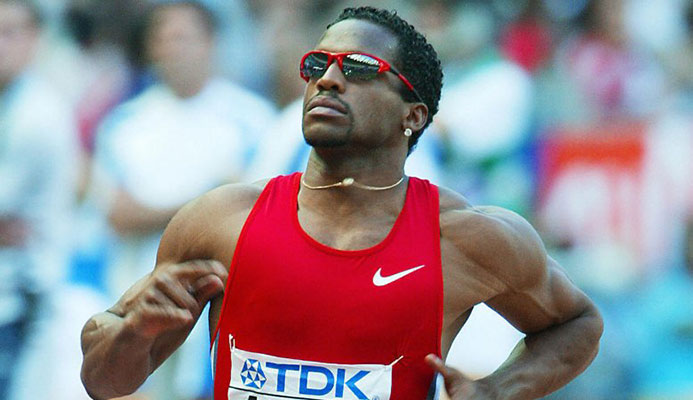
x=365, y=113
x=18, y=39
x=179, y=45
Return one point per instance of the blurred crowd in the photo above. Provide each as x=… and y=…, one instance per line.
x=577, y=114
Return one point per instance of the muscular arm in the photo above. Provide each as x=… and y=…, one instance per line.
x=561, y=324
x=125, y=344
x=563, y=329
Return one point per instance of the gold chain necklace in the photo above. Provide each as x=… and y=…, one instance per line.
x=349, y=182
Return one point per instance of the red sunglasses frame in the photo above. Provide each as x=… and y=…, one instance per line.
x=384, y=66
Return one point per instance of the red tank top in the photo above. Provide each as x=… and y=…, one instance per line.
x=301, y=320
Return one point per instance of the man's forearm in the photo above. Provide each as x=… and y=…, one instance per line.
x=116, y=361
x=123, y=346
x=545, y=361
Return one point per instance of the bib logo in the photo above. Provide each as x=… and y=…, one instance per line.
x=252, y=374
x=330, y=380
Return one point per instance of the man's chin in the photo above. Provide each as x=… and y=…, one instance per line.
x=326, y=138
x=325, y=142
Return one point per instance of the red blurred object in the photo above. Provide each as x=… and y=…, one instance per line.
x=594, y=187
x=618, y=146
x=528, y=43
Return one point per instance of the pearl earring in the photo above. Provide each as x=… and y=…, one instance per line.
x=407, y=132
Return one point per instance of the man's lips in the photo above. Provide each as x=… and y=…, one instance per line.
x=325, y=105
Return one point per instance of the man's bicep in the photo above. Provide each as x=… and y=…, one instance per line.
x=552, y=299
x=187, y=236
x=209, y=226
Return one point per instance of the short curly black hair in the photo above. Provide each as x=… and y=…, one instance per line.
x=416, y=58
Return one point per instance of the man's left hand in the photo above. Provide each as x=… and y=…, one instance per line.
x=457, y=385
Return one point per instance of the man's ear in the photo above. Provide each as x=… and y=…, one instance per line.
x=415, y=117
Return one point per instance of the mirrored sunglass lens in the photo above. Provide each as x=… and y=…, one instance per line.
x=314, y=65
x=360, y=66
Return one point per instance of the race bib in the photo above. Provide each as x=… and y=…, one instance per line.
x=256, y=376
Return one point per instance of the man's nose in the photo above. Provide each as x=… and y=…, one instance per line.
x=333, y=79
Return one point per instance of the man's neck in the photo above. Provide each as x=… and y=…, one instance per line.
x=368, y=173
x=373, y=167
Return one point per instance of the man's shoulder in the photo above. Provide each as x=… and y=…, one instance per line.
x=230, y=198
x=220, y=206
x=204, y=227
x=451, y=201
x=457, y=212
x=497, y=239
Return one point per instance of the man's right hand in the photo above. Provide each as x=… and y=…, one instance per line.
x=123, y=346
x=171, y=297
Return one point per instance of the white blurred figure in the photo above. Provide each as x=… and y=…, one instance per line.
x=183, y=136
x=38, y=170
x=485, y=111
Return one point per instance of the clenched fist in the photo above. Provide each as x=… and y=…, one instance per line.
x=171, y=297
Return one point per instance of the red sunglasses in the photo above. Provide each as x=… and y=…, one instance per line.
x=354, y=65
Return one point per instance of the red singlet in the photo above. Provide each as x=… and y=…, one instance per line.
x=301, y=320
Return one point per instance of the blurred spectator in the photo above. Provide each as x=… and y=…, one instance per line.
x=599, y=75
x=101, y=73
x=103, y=76
x=680, y=61
x=527, y=40
x=242, y=32
x=485, y=112
x=291, y=28
x=185, y=135
x=283, y=149
x=37, y=174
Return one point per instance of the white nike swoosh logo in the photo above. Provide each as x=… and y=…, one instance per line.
x=379, y=280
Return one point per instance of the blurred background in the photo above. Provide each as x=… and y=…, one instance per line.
x=577, y=114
